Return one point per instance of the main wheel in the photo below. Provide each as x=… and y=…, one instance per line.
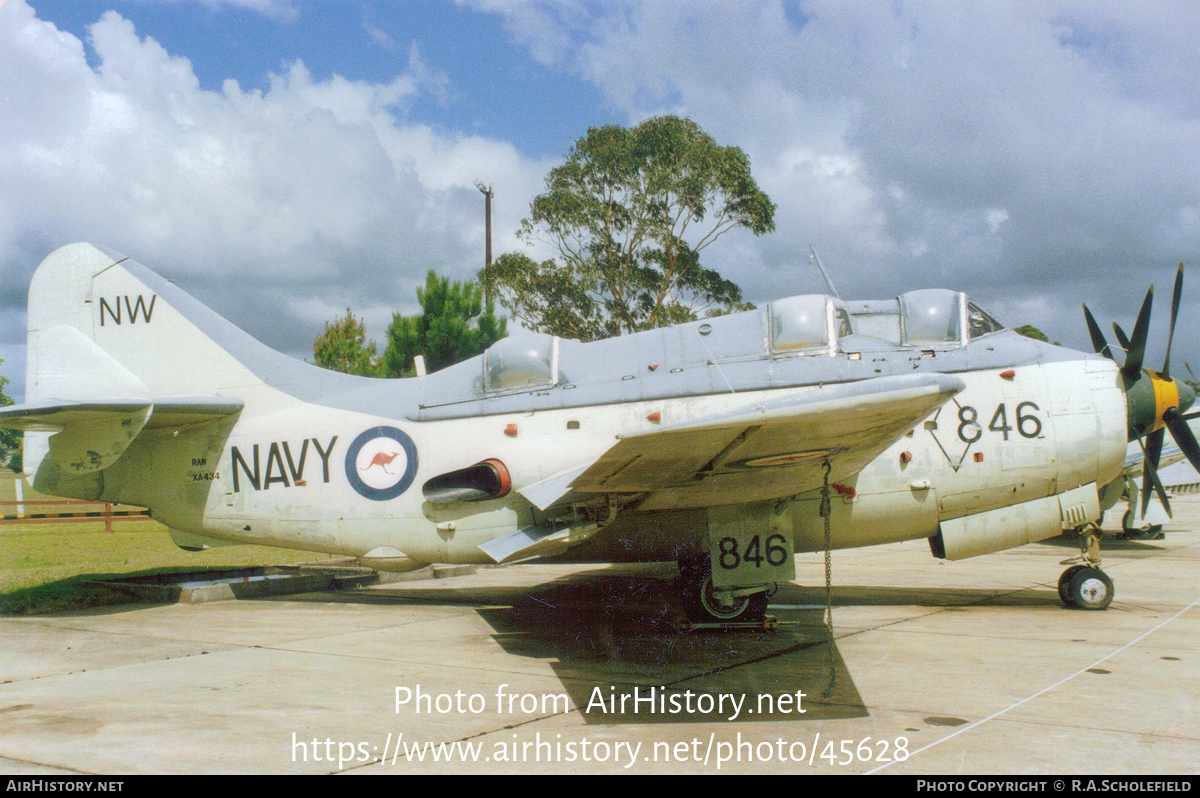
x=1090, y=589
x=1064, y=583
x=702, y=605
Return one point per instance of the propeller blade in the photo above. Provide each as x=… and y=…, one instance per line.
x=1166, y=369
x=1122, y=338
x=1137, y=343
x=1162, y=495
x=1099, y=344
x=1152, y=453
x=1182, y=433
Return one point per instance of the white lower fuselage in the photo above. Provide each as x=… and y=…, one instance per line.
x=284, y=474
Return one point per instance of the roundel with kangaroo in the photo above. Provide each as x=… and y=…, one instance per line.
x=381, y=463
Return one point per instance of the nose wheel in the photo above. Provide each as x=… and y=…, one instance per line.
x=1084, y=586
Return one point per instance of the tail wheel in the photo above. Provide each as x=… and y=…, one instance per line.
x=703, y=604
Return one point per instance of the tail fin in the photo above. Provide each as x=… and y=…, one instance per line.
x=101, y=325
x=113, y=348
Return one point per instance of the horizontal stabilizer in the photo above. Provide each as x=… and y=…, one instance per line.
x=89, y=436
x=86, y=436
x=53, y=416
x=178, y=411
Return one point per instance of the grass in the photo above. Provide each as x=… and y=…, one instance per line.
x=47, y=567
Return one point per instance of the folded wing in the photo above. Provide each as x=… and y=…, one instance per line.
x=764, y=450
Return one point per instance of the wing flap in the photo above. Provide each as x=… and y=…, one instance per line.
x=552, y=491
x=537, y=541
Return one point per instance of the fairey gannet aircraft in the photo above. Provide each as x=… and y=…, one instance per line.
x=725, y=445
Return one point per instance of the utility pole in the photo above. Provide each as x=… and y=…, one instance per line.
x=487, y=212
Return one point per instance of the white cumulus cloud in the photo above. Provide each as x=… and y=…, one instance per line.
x=1032, y=153
x=271, y=205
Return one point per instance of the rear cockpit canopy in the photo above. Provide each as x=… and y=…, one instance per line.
x=932, y=317
x=521, y=362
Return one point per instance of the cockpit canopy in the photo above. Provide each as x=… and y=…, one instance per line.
x=808, y=322
x=931, y=317
x=798, y=326
x=523, y=361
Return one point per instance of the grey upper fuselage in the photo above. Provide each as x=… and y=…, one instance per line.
x=733, y=355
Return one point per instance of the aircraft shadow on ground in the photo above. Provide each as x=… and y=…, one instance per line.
x=608, y=633
x=615, y=638
x=1107, y=543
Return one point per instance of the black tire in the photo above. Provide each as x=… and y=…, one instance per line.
x=1064, y=584
x=701, y=606
x=1090, y=589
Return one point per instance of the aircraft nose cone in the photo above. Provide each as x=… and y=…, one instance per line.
x=1142, y=407
x=1150, y=397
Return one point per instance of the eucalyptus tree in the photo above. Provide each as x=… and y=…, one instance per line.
x=628, y=215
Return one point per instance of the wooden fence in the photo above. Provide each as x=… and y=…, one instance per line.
x=106, y=512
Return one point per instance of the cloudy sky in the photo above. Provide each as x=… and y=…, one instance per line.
x=284, y=159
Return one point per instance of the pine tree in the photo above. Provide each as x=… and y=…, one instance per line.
x=344, y=347
x=453, y=325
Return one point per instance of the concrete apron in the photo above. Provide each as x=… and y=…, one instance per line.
x=971, y=666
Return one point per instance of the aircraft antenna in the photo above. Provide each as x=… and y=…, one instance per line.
x=713, y=361
x=815, y=258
